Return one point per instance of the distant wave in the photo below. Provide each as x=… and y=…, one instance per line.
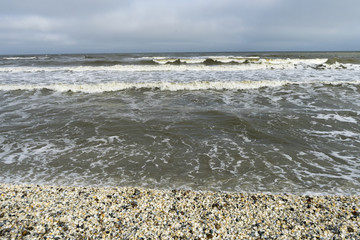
x=211, y=60
x=185, y=65
x=337, y=60
x=19, y=58
x=174, y=62
x=165, y=86
x=225, y=60
x=104, y=62
x=181, y=59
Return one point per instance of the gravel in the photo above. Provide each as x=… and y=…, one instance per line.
x=59, y=212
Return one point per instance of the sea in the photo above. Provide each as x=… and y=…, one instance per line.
x=270, y=122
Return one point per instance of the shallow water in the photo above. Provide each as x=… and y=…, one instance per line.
x=268, y=122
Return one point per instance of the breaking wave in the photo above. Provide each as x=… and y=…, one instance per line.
x=166, y=86
x=210, y=60
x=178, y=65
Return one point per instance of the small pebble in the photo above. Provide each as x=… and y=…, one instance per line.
x=54, y=212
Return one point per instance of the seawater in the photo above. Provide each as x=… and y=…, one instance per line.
x=250, y=122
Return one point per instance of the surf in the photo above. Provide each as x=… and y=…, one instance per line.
x=168, y=86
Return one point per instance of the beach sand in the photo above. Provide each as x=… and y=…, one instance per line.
x=57, y=212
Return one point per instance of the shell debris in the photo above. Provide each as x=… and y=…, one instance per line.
x=59, y=212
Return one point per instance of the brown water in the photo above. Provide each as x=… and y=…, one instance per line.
x=268, y=122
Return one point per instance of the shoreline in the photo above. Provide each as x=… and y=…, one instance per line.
x=58, y=212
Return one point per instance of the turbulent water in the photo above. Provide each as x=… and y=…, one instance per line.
x=254, y=122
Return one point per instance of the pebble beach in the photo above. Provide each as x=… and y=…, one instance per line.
x=59, y=212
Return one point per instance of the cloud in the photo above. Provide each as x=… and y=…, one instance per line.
x=198, y=23
x=27, y=33
x=307, y=25
x=165, y=25
x=27, y=23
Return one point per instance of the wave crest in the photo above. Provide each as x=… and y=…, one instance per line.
x=178, y=65
x=164, y=86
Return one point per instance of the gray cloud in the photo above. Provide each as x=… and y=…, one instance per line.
x=42, y=26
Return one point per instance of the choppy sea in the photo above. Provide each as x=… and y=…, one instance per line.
x=273, y=122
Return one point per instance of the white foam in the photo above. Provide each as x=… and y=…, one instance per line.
x=348, y=159
x=239, y=59
x=168, y=86
x=19, y=58
x=335, y=117
x=332, y=134
x=178, y=86
x=137, y=68
x=192, y=64
x=322, y=156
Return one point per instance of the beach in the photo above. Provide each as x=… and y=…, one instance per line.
x=64, y=212
x=203, y=145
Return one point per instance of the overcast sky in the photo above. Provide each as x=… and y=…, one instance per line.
x=96, y=26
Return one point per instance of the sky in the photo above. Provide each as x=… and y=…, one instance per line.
x=115, y=26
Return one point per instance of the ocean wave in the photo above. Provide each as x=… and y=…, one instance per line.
x=19, y=58
x=180, y=65
x=337, y=60
x=165, y=86
x=206, y=59
x=103, y=62
x=211, y=60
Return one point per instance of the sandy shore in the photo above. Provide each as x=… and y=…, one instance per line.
x=52, y=212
